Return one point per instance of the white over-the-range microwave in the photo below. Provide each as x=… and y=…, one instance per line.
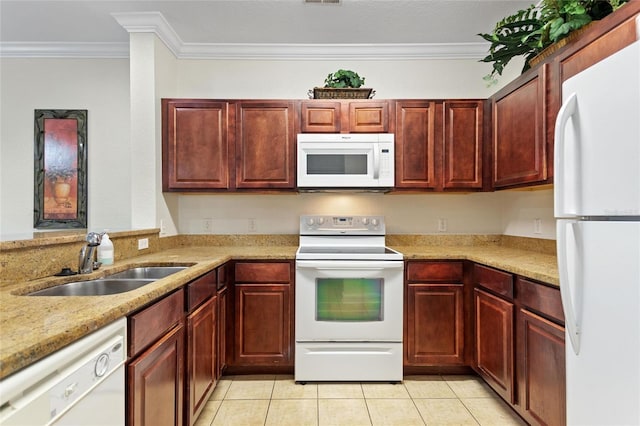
x=341, y=161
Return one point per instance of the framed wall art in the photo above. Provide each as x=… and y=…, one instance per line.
x=60, y=165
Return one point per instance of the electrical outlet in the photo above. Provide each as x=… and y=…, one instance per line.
x=442, y=225
x=537, y=226
x=163, y=229
x=207, y=226
x=143, y=243
x=251, y=226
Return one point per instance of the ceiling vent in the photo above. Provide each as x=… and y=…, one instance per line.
x=323, y=1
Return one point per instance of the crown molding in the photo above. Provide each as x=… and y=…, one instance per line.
x=333, y=51
x=63, y=50
x=154, y=22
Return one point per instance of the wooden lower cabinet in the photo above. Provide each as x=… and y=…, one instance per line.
x=520, y=348
x=221, y=347
x=494, y=342
x=201, y=362
x=540, y=369
x=263, y=314
x=435, y=329
x=263, y=324
x=155, y=383
x=434, y=314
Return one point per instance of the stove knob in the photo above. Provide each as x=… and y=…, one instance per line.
x=310, y=221
x=365, y=221
x=374, y=222
x=320, y=220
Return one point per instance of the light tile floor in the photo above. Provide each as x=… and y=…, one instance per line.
x=419, y=400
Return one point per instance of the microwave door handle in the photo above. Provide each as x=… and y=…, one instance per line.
x=376, y=163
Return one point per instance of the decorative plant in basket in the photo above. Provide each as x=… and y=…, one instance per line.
x=342, y=84
x=528, y=32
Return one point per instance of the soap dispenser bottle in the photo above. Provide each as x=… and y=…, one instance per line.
x=105, y=250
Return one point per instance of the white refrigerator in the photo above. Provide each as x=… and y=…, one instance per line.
x=597, y=207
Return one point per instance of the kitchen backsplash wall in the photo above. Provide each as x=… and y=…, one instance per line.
x=510, y=213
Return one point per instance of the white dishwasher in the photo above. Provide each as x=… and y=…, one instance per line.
x=81, y=384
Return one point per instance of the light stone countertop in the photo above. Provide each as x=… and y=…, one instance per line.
x=33, y=327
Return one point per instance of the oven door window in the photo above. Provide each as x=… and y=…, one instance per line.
x=349, y=299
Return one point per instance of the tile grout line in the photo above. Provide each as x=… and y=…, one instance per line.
x=461, y=402
x=366, y=404
x=266, y=415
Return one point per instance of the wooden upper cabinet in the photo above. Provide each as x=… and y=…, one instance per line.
x=415, y=131
x=519, y=131
x=320, y=117
x=194, y=145
x=346, y=116
x=368, y=117
x=599, y=40
x=462, y=152
x=265, y=142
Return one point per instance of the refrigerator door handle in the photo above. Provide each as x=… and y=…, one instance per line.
x=570, y=254
x=569, y=109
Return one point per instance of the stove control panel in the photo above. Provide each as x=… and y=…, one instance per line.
x=340, y=225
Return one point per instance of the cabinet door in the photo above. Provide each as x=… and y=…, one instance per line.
x=462, y=152
x=541, y=370
x=368, y=117
x=201, y=358
x=194, y=145
x=320, y=117
x=265, y=144
x=519, y=132
x=263, y=325
x=155, y=386
x=221, y=347
x=434, y=326
x=415, y=144
x=494, y=342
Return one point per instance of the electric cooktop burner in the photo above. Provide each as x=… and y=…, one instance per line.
x=346, y=250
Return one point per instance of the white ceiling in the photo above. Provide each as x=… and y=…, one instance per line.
x=261, y=22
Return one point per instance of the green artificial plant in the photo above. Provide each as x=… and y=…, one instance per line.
x=344, y=79
x=528, y=32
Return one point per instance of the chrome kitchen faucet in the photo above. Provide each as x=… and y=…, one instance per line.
x=86, y=265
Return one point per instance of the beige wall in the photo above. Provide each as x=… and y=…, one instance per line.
x=100, y=86
x=121, y=179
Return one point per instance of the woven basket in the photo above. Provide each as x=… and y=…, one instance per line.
x=335, y=93
x=550, y=50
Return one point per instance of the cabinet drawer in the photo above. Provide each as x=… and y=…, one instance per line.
x=492, y=279
x=200, y=290
x=262, y=272
x=149, y=324
x=434, y=271
x=541, y=298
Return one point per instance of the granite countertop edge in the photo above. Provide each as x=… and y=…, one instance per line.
x=55, y=322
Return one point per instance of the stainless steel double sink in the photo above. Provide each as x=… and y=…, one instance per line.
x=120, y=282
